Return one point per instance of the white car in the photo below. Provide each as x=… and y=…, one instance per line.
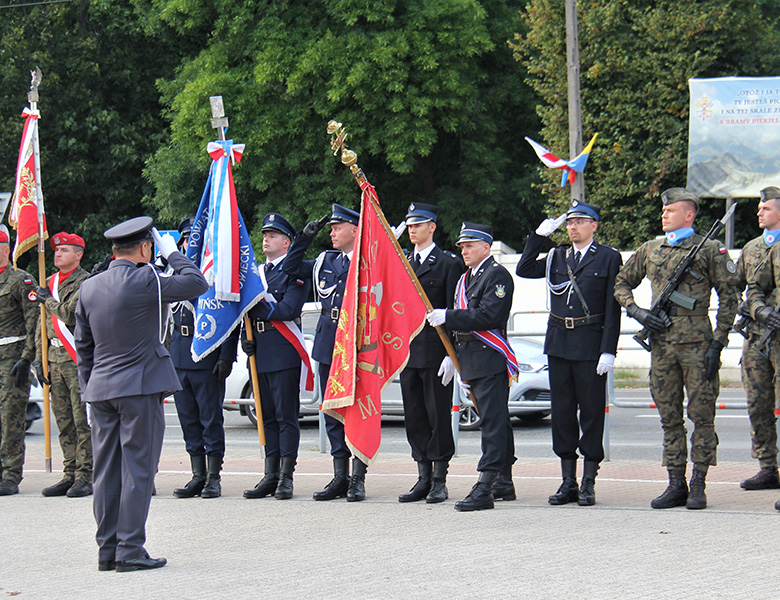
x=529, y=398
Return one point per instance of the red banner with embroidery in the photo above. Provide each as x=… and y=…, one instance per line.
x=381, y=313
x=27, y=204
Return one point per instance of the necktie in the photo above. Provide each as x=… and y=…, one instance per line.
x=577, y=257
x=344, y=261
x=269, y=266
x=416, y=261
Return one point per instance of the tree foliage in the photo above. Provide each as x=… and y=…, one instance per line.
x=636, y=58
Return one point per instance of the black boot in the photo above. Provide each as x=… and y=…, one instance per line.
x=58, y=489
x=568, y=491
x=213, y=487
x=587, y=493
x=284, y=490
x=696, y=498
x=438, y=491
x=195, y=485
x=481, y=495
x=337, y=488
x=267, y=485
x=422, y=487
x=765, y=479
x=503, y=486
x=675, y=494
x=357, y=485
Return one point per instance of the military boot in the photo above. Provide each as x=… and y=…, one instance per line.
x=8, y=488
x=423, y=486
x=675, y=494
x=587, y=491
x=80, y=489
x=765, y=479
x=357, y=485
x=267, y=485
x=696, y=497
x=213, y=487
x=503, y=486
x=567, y=492
x=481, y=495
x=337, y=487
x=438, y=491
x=284, y=491
x=58, y=489
x=195, y=485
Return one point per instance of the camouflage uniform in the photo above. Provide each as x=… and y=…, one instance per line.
x=18, y=319
x=677, y=355
x=758, y=372
x=70, y=413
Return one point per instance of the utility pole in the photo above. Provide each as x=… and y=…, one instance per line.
x=573, y=77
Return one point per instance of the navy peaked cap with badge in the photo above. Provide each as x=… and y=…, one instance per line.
x=130, y=232
x=186, y=225
x=580, y=208
x=421, y=213
x=770, y=193
x=473, y=232
x=342, y=214
x=673, y=195
x=276, y=222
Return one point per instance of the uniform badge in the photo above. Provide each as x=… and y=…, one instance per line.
x=271, y=217
x=411, y=207
x=28, y=281
x=322, y=283
x=500, y=291
x=731, y=267
x=32, y=296
x=574, y=203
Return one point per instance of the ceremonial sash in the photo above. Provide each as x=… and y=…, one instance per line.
x=64, y=334
x=293, y=334
x=492, y=338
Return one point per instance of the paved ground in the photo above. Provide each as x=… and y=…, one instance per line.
x=236, y=548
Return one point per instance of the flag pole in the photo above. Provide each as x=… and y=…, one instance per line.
x=349, y=159
x=32, y=97
x=220, y=122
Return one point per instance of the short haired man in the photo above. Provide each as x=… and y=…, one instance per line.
x=684, y=350
x=60, y=298
x=581, y=340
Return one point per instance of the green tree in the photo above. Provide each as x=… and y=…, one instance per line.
x=636, y=58
x=428, y=91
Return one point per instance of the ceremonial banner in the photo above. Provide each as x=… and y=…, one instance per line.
x=27, y=212
x=381, y=313
x=570, y=168
x=219, y=245
x=733, y=136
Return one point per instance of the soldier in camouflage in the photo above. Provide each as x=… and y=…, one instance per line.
x=60, y=299
x=758, y=369
x=18, y=320
x=684, y=350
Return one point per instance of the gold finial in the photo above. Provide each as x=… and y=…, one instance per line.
x=337, y=143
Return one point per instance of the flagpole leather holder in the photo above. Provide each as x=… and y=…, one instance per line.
x=349, y=159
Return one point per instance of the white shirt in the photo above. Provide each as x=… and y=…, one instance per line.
x=424, y=253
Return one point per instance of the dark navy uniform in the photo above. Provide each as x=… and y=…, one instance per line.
x=579, y=331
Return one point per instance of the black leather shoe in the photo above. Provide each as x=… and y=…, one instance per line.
x=567, y=492
x=80, y=489
x=481, y=495
x=766, y=479
x=422, y=486
x=675, y=494
x=8, y=488
x=504, y=486
x=141, y=563
x=58, y=489
x=338, y=486
x=357, y=483
x=106, y=565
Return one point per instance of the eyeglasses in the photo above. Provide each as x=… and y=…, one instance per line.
x=577, y=222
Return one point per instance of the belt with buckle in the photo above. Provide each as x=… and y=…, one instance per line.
x=263, y=326
x=56, y=343
x=10, y=340
x=463, y=336
x=185, y=331
x=572, y=322
x=333, y=313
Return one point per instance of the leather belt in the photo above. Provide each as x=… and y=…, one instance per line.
x=463, y=336
x=184, y=330
x=333, y=313
x=10, y=340
x=263, y=326
x=572, y=322
x=56, y=343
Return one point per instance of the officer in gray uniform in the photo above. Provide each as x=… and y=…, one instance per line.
x=125, y=372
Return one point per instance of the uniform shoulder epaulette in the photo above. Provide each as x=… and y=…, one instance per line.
x=451, y=254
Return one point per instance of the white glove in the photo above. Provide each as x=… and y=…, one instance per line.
x=398, y=231
x=446, y=370
x=437, y=317
x=165, y=243
x=548, y=226
x=465, y=387
x=606, y=364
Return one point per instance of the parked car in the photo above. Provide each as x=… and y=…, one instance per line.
x=529, y=397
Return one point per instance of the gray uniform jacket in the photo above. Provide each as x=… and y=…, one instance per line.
x=117, y=328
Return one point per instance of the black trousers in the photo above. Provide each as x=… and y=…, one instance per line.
x=280, y=400
x=575, y=387
x=498, y=442
x=199, y=406
x=334, y=427
x=427, y=414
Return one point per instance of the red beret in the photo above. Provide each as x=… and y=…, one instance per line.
x=3, y=237
x=70, y=239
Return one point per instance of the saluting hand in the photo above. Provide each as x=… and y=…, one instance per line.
x=549, y=226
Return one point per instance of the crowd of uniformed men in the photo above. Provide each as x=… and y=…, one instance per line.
x=471, y=296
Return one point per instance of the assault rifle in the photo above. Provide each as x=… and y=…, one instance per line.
x=762, y=345
x=669, y=295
